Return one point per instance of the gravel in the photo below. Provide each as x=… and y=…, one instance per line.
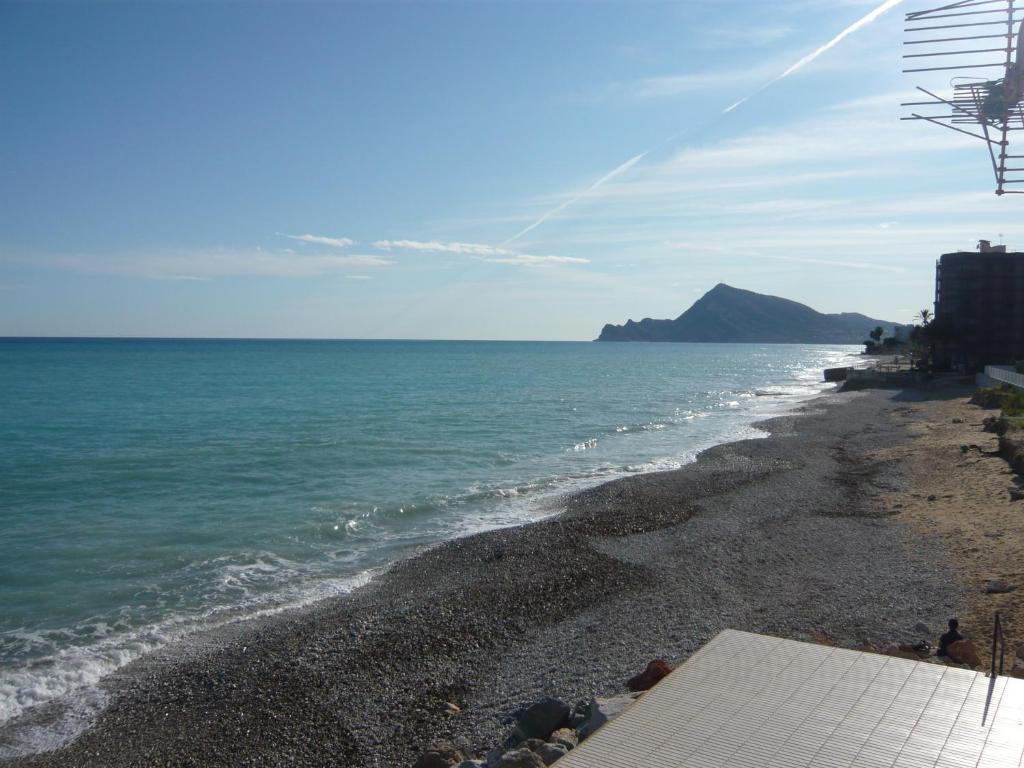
x=777, y=535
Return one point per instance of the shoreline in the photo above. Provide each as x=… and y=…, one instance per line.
x=568, y=606
x=546, y=504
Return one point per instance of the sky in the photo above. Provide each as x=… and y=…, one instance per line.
x=465, y=170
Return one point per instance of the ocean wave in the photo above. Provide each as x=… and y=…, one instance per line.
x=70, y=672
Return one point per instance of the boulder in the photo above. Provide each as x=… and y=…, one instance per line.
x=998, y=587
x=538, y=720
x=443, y=754
x=520, y=758
x=551, y=752
x=472, y=764
x=1020, y=652
x=601, y=711
x=530, y=744
x=567, y=736
x=922, y=629
x=1016, y=493
x=964, y=652
x=650, y=677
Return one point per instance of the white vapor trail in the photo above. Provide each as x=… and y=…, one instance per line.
x=860, y=23
x=562, y=206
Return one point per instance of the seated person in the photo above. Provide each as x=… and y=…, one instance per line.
x=949, y=638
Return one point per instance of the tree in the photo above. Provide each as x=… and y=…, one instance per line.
x=925, y=316
x=877, y=333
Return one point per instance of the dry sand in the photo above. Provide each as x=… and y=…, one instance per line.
x=963, y=497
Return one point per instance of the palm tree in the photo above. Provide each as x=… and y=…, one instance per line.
x=925, y=315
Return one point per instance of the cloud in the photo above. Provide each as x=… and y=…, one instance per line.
x=334, y=242
x=481, y=251
x=666, y=86
x=433, y=246
x=741, y=36
x=579, y=196
x=207, y=264
x=803, y=62
x=526, y=260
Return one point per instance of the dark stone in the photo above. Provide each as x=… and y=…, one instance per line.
x=539, y=720
x=551, y=752
x=520, y=758
x=443, y=754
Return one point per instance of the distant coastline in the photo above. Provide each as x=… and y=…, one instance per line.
x=733, y=315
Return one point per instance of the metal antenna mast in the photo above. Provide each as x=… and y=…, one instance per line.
x=989, y=110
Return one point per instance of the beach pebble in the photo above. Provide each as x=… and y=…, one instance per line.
x=567, y=736
x=538, y=720
x=443, y=754
x=520, y=758
x=998, y=587
x=551, y=752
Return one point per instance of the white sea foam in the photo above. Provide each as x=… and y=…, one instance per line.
x=68, y=664
x=71, y=674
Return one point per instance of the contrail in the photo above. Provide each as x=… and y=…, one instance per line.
x=859, y=24
x=561, y=207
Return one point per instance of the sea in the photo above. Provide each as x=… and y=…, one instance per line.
x=153, y=488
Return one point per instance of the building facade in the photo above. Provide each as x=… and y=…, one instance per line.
x=979, y=308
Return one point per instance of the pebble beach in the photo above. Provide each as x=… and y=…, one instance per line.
x=794, y=535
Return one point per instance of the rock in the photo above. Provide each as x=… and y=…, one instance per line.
x=650, y=677
x=922, y=629
x=1016, y=494
x=601, y=711
x=452, y=708
x=957, y=420
x=932, y=497
x=520, y=758
x=538, y=720
x=964, y=652
x=551, y=752
x=531, y=744
x=998, y=587
x=472, y=764
x=994, y=424
x=1020, y=652
x=567, y=736
x=443, y=754
x=1017, y=670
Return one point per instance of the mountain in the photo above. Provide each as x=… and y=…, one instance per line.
x=727, y=314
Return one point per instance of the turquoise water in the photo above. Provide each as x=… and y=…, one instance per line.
x=150, y=488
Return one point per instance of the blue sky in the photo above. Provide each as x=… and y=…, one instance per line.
x=358, y=169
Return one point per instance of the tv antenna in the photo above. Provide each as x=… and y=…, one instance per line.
x=988, y=109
